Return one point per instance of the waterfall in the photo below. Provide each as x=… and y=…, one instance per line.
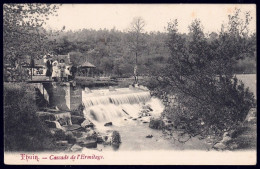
x=103, y=106
x=116, y=98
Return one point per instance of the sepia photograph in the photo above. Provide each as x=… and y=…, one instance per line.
x=129, y=84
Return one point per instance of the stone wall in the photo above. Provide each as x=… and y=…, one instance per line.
x=64, y=95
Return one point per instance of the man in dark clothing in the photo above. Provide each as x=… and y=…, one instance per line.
x=73, y=71
x=49, y=67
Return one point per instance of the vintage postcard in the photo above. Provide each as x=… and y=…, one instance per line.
x=129, y=84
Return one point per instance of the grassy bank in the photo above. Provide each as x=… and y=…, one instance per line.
x=23, y=131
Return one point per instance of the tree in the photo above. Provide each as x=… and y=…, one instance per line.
x=136, y=41
x=23, y=34
x=77, y=58
x=200, y=73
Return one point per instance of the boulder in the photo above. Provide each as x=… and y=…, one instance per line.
x=112, y=138
x=76, y=148
x=149, y=136
x=90, y=143
x=100, y=139
x=108, y=124
x=77, y=119
x=156, y=123
x=87, y=123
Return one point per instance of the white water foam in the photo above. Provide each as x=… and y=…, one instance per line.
x=102, y=106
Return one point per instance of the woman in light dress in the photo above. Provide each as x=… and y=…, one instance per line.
x=55, y=70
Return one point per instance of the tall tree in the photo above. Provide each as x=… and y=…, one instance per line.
x=200, y=72
x=136, y=41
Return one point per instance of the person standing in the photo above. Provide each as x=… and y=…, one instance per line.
x=73, y=71
x=56, y=71
x=49, y=67
x=135, y=75
x=62, y=68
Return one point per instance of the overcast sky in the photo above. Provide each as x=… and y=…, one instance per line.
x=156, y=16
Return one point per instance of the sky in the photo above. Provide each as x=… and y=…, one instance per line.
x=156, y=16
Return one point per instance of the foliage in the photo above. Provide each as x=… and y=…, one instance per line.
x=200, y=72
x=23, y=34
x=23, y=131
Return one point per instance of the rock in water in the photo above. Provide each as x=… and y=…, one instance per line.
x=116, y=139
x=149, y=136
x=108, y=124
x=100, y=139
x=156, y=123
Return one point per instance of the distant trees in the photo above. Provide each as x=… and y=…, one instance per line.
x=200, y=72
x=122, y=50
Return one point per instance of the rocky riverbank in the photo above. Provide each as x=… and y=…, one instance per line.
x=242, y=137
x=73, y=133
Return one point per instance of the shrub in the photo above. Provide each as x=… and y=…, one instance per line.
x=23, y=131
x=226, y=107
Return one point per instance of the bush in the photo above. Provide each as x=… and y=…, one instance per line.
x=226, y=107
x=23, y=131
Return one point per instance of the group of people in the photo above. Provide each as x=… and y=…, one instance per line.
x=58, y=70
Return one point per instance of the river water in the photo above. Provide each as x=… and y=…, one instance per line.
x=122, y=108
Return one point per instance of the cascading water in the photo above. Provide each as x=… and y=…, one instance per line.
x=103, y=106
